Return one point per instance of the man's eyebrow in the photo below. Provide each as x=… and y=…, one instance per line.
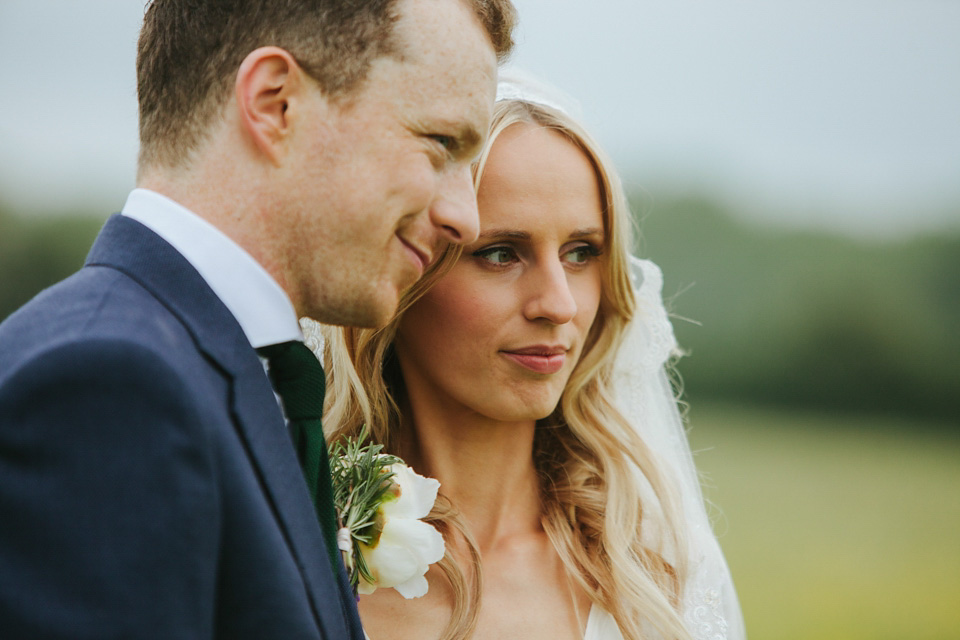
x=467, y=136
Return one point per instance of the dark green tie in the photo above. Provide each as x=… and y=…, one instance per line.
x=299, y=381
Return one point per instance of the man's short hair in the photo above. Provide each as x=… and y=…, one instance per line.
x=189, y=52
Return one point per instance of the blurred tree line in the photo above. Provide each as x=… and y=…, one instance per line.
x=796, y=319
x=806, y=319
x=38, y=251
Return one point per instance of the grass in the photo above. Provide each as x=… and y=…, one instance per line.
x=835, y=527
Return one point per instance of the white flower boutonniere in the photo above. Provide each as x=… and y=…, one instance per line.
x=380, y=502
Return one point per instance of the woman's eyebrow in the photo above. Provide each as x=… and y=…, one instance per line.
x=525, y=235
x=590, y=231
x=505, y=233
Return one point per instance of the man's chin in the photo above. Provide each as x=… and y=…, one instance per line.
x=368, y=314
x=380, y=320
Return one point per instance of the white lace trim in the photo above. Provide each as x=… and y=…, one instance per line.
x=313, y=336
x=705, y=617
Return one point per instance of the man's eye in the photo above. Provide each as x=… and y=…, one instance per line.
x=447, y=142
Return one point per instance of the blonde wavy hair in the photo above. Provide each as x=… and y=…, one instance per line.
x=586, y=454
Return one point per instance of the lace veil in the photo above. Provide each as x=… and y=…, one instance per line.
x=645, y=397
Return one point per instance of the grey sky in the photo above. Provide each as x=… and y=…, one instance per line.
x=837, y=112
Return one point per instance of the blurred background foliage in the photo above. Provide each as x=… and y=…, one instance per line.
x=805, y=319
x=823, y=382
x=38, y=251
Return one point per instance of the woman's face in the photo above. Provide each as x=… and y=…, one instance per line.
x=501, y=332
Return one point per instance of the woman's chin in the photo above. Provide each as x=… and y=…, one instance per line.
x=525, y=409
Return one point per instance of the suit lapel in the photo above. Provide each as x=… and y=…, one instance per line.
x=272, y=452
x=132, y=248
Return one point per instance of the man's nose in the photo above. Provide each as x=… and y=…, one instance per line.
x=454, y=211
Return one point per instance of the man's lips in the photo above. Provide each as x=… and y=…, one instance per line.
x=539, y=359
x=418, y=255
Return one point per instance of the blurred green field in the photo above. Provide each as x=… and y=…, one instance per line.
x=835, y=527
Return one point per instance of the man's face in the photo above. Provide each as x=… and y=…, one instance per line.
x=383, y=177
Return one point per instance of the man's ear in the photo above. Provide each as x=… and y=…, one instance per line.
x=267, y=80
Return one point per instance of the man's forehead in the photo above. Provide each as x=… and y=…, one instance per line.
x=438, y=29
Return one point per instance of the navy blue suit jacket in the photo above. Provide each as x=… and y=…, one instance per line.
x=148, y=485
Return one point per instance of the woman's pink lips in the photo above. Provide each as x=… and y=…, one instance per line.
x=538, y=363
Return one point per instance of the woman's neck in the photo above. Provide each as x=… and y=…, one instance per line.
x=485, y=468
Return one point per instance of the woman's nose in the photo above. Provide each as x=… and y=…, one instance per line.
x=550, y=295
x=454, y=210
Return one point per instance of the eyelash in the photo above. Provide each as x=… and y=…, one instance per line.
x=486, y=252
x=447, y=143
x=591, y=250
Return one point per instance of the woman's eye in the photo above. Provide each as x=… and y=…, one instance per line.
x=582, y=254
x=496, y=255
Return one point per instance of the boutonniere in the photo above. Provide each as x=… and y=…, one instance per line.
x=380, y=502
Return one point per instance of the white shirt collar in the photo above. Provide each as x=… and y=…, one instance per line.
x=259, y=304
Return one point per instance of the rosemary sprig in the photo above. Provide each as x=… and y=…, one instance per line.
x=361, y=481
